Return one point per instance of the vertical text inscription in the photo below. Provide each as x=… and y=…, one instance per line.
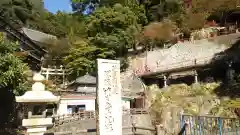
x=108, y=86
x=109, y=97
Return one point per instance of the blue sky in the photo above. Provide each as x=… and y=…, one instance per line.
x=55, y=5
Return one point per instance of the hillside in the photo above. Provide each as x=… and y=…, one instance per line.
x=199, y=99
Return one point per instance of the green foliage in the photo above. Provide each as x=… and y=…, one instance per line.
x=195, y=17
x=140, y=12
x=157, y=10
x=46, y=23
x=110, y=19
x=20, y=10
x=60, y=24
x=113, y=28
x=214, y=5
x=197, y=99
x=204, y=89
x=82, y=58
x=111, y=32
x=12, y=68
x=13, y=80
x=57, y=49
x=158, y=33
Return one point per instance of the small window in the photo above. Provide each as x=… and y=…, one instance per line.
x=37, y=110
x=70, y=109
x=75, y=108
x=81, y=108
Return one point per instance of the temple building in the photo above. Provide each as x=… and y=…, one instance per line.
x=31, y=42
x=85, y=85
x=80, y=95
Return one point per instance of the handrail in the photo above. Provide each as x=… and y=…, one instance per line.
x=183, y=129
x=88, y=115
x=216, y=125
x=132, y=111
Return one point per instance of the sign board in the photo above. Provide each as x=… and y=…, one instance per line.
x=109, y=97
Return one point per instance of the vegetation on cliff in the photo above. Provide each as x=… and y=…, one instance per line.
x=198, y=99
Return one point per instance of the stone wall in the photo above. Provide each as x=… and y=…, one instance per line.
x=143, y=120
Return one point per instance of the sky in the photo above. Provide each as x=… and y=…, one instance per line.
x=55, y=5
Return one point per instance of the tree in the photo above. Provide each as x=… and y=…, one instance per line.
x=12, y=68
x=13, y=80
x=156, y=10
x=46, y=23
x=57, y=49
x=89, y=6
x=110, y=28
x=60, y=24
x=72, y=24
x=207, y=6
x=20, y=10
x=111, y=31
x=84, y=6
x=82, y=58
x=198, y=13
x=159, y=32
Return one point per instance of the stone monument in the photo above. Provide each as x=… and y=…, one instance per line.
x=36, y=101
x=109, y=107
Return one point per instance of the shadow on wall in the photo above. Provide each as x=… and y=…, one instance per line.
x=229, y=63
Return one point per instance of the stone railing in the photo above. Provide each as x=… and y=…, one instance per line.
x=84, y=115
x=136, y=111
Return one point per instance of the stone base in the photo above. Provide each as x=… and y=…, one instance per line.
x=36, y=131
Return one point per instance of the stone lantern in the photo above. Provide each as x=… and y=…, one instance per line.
x=36, y=101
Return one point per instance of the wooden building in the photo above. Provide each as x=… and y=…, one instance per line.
x=31, y=42
x=85, y=85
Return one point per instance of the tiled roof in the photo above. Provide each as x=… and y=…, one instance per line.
x=187, y=51
x=86, y=79
x=75, y=96
x=88, y=90
x=131, y=85
x=37, y=36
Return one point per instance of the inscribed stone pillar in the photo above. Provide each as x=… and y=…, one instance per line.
x=109, y=98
